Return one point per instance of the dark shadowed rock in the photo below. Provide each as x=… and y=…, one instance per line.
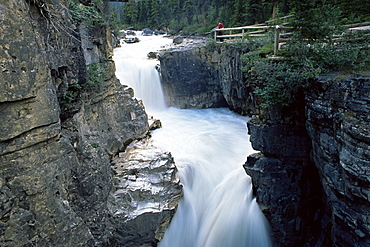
x=152, y=55
x=338, y=123
x=285, y=181
x=147, y=32
x=202, y=77
x=178, y=40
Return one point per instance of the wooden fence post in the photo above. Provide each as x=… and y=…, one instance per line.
x=277, y=39
x=215, y=35
x=243, y=34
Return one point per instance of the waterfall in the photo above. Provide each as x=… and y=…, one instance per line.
x=135, y=70
x=209, y=147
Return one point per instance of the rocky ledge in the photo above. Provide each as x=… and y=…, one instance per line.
x=312, y=174
x=197, y=75
x=145, y=194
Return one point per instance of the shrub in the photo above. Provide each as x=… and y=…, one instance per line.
x=282, y=80
x=90, y=14
x=96, y=73
x=304, y=58
x=95, y=145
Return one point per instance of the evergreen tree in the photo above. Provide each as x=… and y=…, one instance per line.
x=154, y=14
x=188, y=11
x=130, y=13
x=254, y=12
x=192, y=14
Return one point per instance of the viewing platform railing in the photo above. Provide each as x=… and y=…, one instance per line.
x=281, y=31
x=259, y=30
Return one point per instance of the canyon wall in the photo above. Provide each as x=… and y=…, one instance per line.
x=61, y=136
x=311, y=174
x=326, y=204
x=206, y=77
x=338, y=123
x=285, y=181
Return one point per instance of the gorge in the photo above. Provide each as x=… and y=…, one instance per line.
x=311, y=174
x=208, y=146
x=63, y=150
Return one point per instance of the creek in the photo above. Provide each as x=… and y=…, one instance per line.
x=209, y=147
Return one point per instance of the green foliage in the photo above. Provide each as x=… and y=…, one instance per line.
x=178, y=15
x=96, y=74
x=266, y=49
x=350, y=11
x=343, y=55
x=318, y=24
x=190, y=15
x=95, y=145
x=211, y=45
x=279, y=80
x=68, y=99
x=310, y=53
x=90, y=14
x=283, y=80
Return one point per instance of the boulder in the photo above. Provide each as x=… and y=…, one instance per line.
x=178, y=40
x=198, y=77
x=152, y=55
x=159, y=32
x=147, y=32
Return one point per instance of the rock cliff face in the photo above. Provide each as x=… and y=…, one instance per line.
x=328, y=203
x=285, y=181
x=205, y=77
x=338, y=123
x=57, y=142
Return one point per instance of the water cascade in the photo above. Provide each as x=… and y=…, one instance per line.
x=135, y=70
x=209, y=147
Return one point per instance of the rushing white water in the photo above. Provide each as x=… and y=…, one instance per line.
x=209, y=147
x=134, y=69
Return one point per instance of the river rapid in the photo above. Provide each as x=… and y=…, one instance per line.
x=209, y=147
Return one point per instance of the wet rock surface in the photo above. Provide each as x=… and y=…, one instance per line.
x=145, y=194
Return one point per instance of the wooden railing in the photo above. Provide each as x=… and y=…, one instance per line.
x=259, y=30
x=281, y=31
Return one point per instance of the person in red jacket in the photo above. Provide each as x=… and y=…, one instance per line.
x=219, y=26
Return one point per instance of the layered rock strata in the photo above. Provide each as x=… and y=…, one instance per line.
x=57, y=136
x=146, y=193
x=338, y=123
x=285, y=181
x=329, y=203
x=203, y=77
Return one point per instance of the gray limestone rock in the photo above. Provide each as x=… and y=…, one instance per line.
x=55, y=158
x=145, y=195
